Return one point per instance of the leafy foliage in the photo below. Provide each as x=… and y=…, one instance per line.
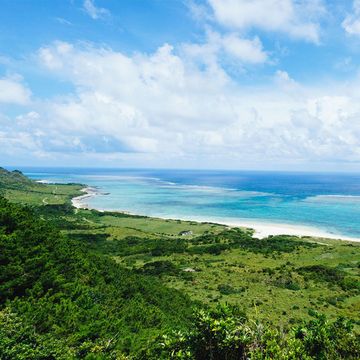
x=239, y=238
x=61, y=291
x=226, y=334
x=332, y=276
x=160, y=268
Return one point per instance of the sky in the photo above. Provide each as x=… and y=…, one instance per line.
x=207, y=84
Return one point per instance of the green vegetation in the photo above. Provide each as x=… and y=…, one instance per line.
x=79, y=283
x=76, y=302
x=18, y=188
x=226, y=333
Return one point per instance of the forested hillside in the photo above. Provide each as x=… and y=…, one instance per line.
x=59, y=300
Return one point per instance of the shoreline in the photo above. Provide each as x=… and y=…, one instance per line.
x=89, y=192
x=262, y=229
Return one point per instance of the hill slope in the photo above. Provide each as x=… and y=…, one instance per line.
x=74, y=301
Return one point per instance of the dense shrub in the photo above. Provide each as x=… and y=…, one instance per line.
x=213, y=249
x=160, y=268
x=226, y=289
x=238, y=238
x=56, y=289
x=225, y=334
x=332, y=276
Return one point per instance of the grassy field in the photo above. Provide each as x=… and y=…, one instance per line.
x=270, y=286
x=278, y=279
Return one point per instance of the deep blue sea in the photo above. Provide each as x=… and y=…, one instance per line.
x=330, y=202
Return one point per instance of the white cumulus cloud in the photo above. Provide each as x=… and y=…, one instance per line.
x=250, y=51
x=299, y=19
x=242, y=50
x=13, y=91
x=351, y=23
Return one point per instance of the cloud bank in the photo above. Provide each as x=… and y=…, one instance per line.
x=165, y=107
x=186, y=105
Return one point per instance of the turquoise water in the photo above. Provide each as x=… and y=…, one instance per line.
x=330, y=202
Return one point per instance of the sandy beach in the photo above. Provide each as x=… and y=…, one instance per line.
x=79, y=202
x=262, y=229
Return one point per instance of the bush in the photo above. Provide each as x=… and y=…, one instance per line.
x=56, y=292
x=160, y=268
x=332, y=276
x=225, y=334
x=226, y=289
x=235, y=238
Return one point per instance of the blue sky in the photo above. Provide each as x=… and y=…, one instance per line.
x=261, y=84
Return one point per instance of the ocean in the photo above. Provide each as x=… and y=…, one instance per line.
x=326, y=201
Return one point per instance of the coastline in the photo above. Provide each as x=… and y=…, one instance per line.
x=261, y=229
x=89, y=192
x=264, y=229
